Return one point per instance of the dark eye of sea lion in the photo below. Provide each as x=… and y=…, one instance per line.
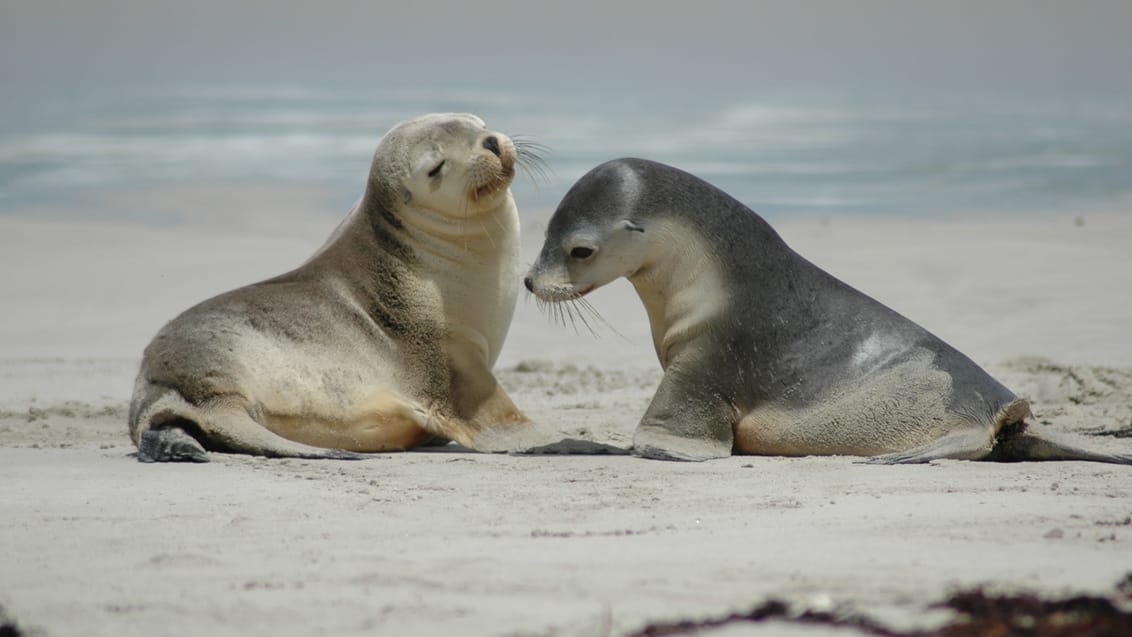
x=581, y=252
x=436, y=171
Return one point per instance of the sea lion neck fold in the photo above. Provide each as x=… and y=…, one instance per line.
x=680, y=287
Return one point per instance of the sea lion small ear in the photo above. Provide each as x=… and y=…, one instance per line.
x=406, y=195
x=629, y=225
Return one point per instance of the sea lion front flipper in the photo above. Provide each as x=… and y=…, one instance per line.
x=685, y=421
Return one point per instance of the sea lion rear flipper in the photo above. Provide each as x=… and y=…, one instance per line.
x=232, y=430
x=965, y=444
x=170, y=444
x=1029, y=445
x=172, y=429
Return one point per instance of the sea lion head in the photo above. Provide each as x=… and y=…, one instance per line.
x=596, y=235
x=449, y=163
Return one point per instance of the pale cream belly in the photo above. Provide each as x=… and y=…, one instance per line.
x=383, y=422
x=784, y=433
x=899, y=408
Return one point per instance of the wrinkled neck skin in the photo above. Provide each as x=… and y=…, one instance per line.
x=463, y=269
x=475, y=262
x=476, y=226
x=679, y=283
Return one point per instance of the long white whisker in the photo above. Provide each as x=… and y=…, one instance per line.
x=570, y=311
x=552, y=309
x=529, y=157
x=574, y=308
x=582, y=315
x=597, y=315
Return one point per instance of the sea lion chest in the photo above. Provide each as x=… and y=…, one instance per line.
x=468, y=281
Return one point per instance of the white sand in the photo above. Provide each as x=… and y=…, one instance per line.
x=443, y=543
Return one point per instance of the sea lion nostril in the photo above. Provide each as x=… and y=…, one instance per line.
x=492, y=144
x=529, y=283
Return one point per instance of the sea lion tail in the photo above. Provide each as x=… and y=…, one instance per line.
x=171, y=429
x=1017, y=441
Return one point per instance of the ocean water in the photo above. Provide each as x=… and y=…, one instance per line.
x=782, y=154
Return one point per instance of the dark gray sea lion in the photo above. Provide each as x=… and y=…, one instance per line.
x=763, y=352
x=384, y=339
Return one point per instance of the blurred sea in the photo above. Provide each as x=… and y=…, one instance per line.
x=782, y=154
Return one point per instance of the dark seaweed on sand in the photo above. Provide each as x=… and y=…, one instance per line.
x=977, y=614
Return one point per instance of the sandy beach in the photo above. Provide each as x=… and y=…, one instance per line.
x=447, y=542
